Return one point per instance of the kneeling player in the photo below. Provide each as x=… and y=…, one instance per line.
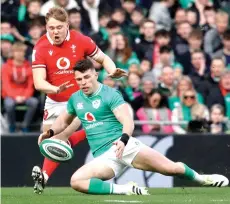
x=109, y=126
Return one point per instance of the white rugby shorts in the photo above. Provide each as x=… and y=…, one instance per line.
x=52, y=110
x=118, y=165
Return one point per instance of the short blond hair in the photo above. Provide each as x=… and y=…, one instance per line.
x=19, y=46
x=57, y=13
x=222, y=16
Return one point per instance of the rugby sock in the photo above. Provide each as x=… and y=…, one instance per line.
x=49, y=166
x=77, y=137
x=98, y=186
x=190, y=174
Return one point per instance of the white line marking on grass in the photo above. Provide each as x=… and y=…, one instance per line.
x=123, y=201
x=220, y=200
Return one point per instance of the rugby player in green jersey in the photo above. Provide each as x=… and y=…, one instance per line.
x=106, y=118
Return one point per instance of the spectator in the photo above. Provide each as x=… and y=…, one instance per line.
x=189, y=109
x=17, y=87
x=128, y=6
x=218, y=123
x=121, y=52
x=119, y=16
x=184, y=84
x=6, y=31
x=180, y=41
x=212, y=79
x=180, y=16
x=137, y=17
x=195, y=43
x=75, y=21
x=210, y=18
x=198, y=6
x=167, y=84
x=104, y=36
x=212, y=39
x=146, y=41
x=192, y=18
x=6, y=49
x=145, y=66
x=155, y=109
x=90, y=12
x=166, y=58
x=159, y=13
x=225, y=52
x=67, y=4
x=162, y=38
x=198, y=70
x=221, y=95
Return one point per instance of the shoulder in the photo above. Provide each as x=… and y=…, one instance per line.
x=75, y=34
x=211, y=33
x=108, y=89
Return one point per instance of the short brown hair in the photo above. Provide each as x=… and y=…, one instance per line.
x=83, y=65
x=196, y=33
x=57, y=13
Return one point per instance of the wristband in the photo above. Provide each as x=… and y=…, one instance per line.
x=125, y=138
x=50, y=132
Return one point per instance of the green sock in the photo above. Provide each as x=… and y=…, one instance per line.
x=97, y=186
x=189, y=173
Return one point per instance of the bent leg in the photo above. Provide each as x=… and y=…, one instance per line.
x=89, y=178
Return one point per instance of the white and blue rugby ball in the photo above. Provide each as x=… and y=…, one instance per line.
x=56, y=150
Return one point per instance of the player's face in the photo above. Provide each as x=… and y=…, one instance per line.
x=57, y=30
x=87, y=81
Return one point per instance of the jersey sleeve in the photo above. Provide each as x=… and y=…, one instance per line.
x=38, y=59
x=70, y=107
x=115, y=99
x=90, y=48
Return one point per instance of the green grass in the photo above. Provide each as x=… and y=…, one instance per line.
x=161, y=196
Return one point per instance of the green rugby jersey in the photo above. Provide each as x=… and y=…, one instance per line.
x=95, y=112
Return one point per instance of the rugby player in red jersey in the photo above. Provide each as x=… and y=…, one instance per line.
x=53, y=59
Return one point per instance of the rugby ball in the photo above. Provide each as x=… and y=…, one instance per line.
x=56, y=150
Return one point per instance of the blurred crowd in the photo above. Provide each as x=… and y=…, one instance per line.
x=176, y=53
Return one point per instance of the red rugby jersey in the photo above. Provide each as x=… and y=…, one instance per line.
x=60, y=60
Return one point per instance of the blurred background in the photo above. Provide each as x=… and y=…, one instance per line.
x=176, y=53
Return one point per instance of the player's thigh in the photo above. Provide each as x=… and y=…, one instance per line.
x=93, y=169
x=149, y=159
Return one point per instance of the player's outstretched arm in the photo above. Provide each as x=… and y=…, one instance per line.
x=40, y=83
x=109, y=65
x=60, y=124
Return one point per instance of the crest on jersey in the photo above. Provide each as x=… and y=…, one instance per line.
x=89, y=117
x=80, y=106
x=63, y=63
x=96, y=103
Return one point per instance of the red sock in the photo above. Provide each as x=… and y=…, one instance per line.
x=77, y=137
x=49, y=166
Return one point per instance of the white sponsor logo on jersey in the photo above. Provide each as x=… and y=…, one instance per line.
x=96, y=103
x=63, y=63
x=80, y=106
x=51, y=52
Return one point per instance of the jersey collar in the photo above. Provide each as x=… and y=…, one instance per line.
x=51, y=41
x=95, y=93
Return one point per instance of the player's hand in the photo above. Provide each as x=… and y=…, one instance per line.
x=118, y=73
x=64, y=86
x=43, y=136
x=20, y=99
x=120, y=146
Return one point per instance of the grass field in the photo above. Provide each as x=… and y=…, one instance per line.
x=161, y=196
